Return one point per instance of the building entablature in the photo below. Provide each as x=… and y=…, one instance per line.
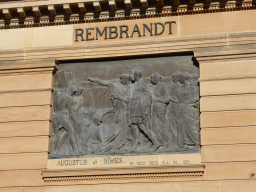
x=20, y=14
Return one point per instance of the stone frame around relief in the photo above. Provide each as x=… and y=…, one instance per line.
x=124, y=160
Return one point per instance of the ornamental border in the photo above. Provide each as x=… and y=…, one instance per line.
x=125, y=176
x=166, y=11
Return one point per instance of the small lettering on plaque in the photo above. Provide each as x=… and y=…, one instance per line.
x=124, y=161
x=141, y=163
x=175, y=162
x=153, y=162
x=110, y=160
x=72, y=162
x=186, y=162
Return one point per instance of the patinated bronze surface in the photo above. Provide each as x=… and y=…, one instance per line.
x=130, y=106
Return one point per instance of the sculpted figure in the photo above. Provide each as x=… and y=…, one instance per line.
x=65, y=117
x=95, y=133
x=118, y=94
x=78, y=100
x=160, y=101
x=139, y=104
x=187, y=132
x=173, y=106
x=93, y=139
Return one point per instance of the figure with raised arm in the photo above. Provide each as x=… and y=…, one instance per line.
x=118, y=94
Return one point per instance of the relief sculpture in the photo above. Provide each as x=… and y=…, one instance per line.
x=126, y=107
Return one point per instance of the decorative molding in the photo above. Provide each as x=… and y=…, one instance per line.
x=114, y=13
x=184, y=171
x=125, y=176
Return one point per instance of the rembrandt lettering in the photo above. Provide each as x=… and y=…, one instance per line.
x=128, y=106
x=123, y=31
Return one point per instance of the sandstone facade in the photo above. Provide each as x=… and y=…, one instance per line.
x=222, y=41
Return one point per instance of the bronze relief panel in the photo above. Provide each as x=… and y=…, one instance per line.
x=126, y=106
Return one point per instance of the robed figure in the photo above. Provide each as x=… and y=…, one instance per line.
x=187, y=132
x=160, y=101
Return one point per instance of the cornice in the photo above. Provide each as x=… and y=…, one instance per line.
x=47, y=13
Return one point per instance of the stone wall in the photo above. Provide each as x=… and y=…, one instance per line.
x=224, y=45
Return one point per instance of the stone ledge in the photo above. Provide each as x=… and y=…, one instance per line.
x=28, y=67
x=22, y=65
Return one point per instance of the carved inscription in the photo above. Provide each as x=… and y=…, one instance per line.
x=124, y=161
x=128, y=107
x=71, y=162
x=122, y=31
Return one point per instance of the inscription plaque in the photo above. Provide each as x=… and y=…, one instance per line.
x=125, y=107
